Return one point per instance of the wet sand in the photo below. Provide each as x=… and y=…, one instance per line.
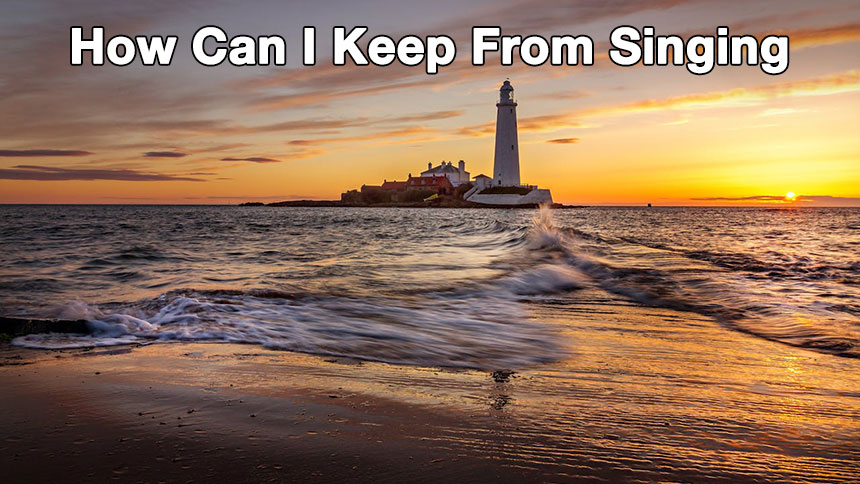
x=646, y=395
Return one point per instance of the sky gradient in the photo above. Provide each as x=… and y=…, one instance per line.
x=598, y=134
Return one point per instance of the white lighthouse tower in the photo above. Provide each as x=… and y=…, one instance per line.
x=506, y=166
x=504, y=187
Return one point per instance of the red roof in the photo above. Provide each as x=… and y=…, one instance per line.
x=429, y=182
x=394, y=185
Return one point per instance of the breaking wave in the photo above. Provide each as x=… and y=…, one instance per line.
x=473, y=328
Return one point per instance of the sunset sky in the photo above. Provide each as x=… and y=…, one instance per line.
x=598, y=134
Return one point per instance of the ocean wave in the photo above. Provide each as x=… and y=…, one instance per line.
x=482, y=324
x=732, y=298
x=445, y=288
x=479, y=330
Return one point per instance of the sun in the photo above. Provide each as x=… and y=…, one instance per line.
x=791, y=196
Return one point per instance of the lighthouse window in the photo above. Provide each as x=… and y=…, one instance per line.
x=512, y=109
x=512, y=146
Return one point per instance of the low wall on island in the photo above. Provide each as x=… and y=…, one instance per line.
x=493, y=201
x=537, y=196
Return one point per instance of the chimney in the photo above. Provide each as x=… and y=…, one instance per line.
x=429, y=165
x=462, y=166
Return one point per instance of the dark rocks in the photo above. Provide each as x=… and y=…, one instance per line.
x=502, y=376
x=22, y=326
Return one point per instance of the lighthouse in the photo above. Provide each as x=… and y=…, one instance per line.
x=504, y=187
x=506, y=166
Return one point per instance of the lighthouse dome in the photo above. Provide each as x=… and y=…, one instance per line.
x=506, y=93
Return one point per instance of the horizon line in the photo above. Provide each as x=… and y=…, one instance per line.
x=610, y=205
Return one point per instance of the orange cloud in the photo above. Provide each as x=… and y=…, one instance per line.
x=810, y=200
x=478, y=130
x=815, y=37
x=546, y=122
x=164, y=154
x=396, y=133
x=323, y=96
x=832, y=84
x=51, y=173
x=252, y=159
x=42, y=153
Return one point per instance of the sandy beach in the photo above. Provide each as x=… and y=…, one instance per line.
x=647, y=395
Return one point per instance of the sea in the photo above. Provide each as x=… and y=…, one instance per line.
x=432, y=287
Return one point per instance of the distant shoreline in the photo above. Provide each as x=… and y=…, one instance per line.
x=440, y=203
x=335, y=203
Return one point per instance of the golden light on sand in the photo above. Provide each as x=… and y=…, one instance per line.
x=791, y=196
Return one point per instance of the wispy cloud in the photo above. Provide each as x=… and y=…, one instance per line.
x=381, y=135
x=563, y=141
x=816, y=37
x=761, y=198
x=253, y=159
x=320, y=124
x=478, y=130
x=571, y=94
x=819, y=86
x=164, y=154
x=316, y=96
x=830, y=201
x=546, y=122
x=428, y=116
x=808, y=200
x=42, y=153
x=47, y=173
x=780, y=112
